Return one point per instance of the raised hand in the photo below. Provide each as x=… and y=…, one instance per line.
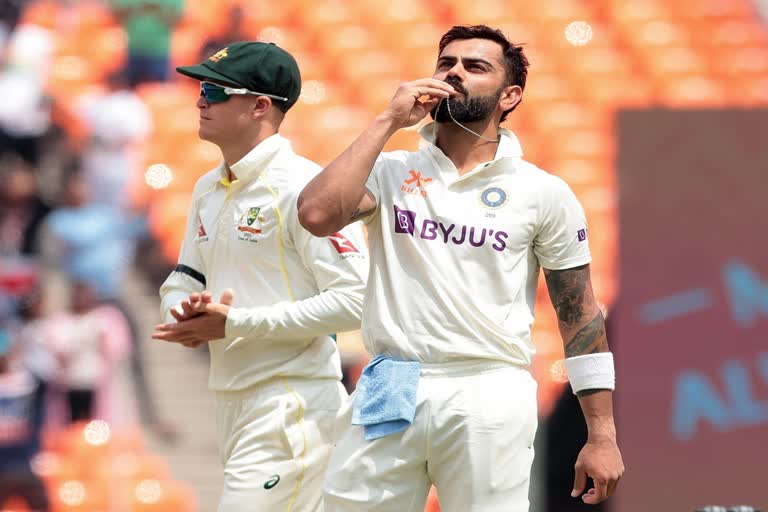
x=407, y=106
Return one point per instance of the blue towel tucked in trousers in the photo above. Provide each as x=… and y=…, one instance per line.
x=385, y=398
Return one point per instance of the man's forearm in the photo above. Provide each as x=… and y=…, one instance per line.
x=597, y=406
x=328, y=312
x=330, y=201
x=590, y=338
x=580, y=320
x=582, y=327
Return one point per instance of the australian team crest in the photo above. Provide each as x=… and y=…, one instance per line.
x=253, y=214
x=493, y=197
x=246, y=224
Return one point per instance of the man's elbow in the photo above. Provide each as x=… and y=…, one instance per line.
x=316, y=220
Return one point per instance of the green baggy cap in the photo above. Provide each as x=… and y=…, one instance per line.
x=253, y=65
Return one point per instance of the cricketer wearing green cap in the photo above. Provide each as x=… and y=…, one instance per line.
x=275, y=369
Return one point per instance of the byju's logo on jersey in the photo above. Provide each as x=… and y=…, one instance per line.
x=582, y=235
x=428, y=229
x=415, y=184
x=405, y=221
x=493, y=197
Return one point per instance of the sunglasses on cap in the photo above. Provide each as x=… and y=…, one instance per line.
x=215, y=93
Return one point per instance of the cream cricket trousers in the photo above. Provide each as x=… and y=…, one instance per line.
x=274, y=444
x=472, y=437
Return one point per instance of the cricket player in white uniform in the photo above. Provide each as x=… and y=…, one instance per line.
x=457, y=233
x=274, y=368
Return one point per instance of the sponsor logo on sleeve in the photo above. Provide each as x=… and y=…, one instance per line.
x=582, y=235
x=342, y=244
x=202, y=235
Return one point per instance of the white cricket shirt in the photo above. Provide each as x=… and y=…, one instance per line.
x=292, y=290
x=455, y=260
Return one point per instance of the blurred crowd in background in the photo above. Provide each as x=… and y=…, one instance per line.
x=99, y=153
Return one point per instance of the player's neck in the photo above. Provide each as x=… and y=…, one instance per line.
x=233, y=151
x=464, y=149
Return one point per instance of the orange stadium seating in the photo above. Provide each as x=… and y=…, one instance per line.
x=88, y=468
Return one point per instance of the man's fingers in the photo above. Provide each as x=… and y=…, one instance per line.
x=207, y=297
x=433, y=83
x=178, y=316
x=227, y=297
x=579, y=481
x=171, y=332
x=176, y=337
x=612, y=486
x=598, y=494
x=431, y=103
x=430, y=92
x=187, y=308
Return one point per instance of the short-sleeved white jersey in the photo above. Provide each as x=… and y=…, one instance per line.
x=455, y=259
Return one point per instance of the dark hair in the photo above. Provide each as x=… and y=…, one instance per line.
x=515, y=62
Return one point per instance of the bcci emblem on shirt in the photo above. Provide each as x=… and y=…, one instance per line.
x=245, y=225
x=493, y=197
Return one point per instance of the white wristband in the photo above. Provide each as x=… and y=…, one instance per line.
x=591, y=371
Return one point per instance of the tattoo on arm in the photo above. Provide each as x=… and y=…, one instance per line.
x=588, y=340
x=571, y=294
x=358, y=214
x=566, y=290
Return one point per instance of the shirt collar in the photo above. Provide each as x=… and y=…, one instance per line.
x=509, y=146
x=256, y=160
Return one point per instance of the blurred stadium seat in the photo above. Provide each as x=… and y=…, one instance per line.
x=87, y=468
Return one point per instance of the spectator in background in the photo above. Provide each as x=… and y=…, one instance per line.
x=117, y=121
x=25, y=115
x=33, y=338
x=20, y=425
x=88, y=241
x=10, y=12
x=94, y=243
x=81, y=345
x=232, y=31
x=148, y=25
x=22, y=211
